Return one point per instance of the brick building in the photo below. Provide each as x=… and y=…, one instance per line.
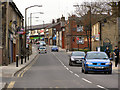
x=75, y=33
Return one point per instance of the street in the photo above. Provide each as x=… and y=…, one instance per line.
x=52, y=70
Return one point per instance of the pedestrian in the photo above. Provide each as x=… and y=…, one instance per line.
x=107, y=51
x=116, y=54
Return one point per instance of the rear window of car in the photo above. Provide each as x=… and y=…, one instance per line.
x=42, y=48
x=78, y=54
x=54, y=46
x=96, y=56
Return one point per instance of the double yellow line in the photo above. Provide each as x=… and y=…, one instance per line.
x=26, y=69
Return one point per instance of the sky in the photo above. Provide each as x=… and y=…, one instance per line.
x=52, y=9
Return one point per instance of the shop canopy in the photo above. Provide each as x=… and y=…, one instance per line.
x=35, y=37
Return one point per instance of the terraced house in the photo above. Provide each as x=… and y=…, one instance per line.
x=12, y=42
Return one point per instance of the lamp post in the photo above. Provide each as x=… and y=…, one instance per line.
x=31, y=19
x=26, y=23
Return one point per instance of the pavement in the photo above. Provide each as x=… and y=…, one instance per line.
x=11, y=69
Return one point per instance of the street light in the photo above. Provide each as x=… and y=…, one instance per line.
x=26, y=22
x=31, y=19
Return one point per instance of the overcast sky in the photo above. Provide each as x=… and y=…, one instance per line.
x=52, y=9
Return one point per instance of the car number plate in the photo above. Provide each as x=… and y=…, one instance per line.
x=99, y=67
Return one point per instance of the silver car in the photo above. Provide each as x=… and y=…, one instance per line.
x=76, y=58
x=42, y=49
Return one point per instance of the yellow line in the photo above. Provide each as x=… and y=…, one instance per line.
x=56, y=87
x=25, y=71
x=27, y=68
x=11, y=85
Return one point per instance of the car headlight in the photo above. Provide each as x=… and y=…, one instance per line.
x=88, y=63
x=72, y=58
x=108, y=63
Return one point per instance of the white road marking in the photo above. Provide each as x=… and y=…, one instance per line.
x=76, y=75
x=101, y=86
x=71, y=72
x=86, y=80
x=67, y=68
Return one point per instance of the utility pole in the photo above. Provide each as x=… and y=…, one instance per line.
x=90, y=29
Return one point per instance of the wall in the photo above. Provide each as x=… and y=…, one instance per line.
x=118, y=30
x=1, y=33
x=110, y=31
x=95, y=31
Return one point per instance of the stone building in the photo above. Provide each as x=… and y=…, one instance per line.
x=12, y=42
x=106, y=31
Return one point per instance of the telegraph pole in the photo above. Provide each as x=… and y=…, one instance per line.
x=90, y=30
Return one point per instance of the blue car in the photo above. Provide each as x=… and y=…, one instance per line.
x=54, y=48
x=97, y=61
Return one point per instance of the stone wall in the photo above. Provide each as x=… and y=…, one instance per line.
x=119, y=30
x=110, y=31
x=0, y=33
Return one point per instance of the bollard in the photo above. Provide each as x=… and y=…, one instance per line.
x=21, y=59
x=16, y=60
x=28, y=56
x=25, y=58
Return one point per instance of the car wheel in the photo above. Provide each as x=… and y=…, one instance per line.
x=70, y=63
x=105, y=72
x=110, y=72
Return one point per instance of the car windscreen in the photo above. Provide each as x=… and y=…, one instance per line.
x=54, y=47
x=78, y=54
x=96, y=56
x=42, y=42
x=42, y=48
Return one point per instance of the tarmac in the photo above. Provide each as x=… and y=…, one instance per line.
x=11, y=69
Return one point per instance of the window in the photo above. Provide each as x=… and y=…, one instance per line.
x=74, y=29
x=80, y=40
x=79, y=28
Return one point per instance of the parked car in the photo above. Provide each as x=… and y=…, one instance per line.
x=42, y=49
x=97, y=61
x=76, y=57
x=54, y=48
